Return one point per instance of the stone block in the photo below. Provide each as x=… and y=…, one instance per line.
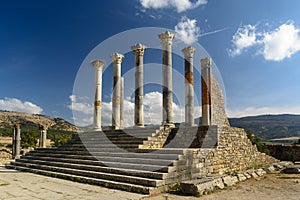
x=260, y=172
x=285, y=163
x=247, y=175
x=197, y=187
x=230, y=180
x=218, y=183
x=292, y=170
x=278, y=166
x=270, y=169
x=252, y=173
x=241, y=177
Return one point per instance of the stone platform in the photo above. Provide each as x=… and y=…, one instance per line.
x=145, y=160
x=113, y=159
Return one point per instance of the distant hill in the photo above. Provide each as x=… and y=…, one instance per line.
x=32, y=121
x=270, y=126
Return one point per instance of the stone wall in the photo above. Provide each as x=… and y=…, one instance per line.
x=285, y=152
x=218, y=113
x=235, y=152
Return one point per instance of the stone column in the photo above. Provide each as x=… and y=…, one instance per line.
x=206, y=91
x=138, y=51
x=117, y=60
x=189, y=85
x=14, y=140
x=17, y=141
x=43, y=136
x=166, y=41
x=98, y=66
x=122, y=104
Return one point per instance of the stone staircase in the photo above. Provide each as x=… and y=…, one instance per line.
x=112, y=159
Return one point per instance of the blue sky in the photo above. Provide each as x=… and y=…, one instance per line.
x=254, y=44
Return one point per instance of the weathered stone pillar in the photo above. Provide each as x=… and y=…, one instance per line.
x=189, y=85
x=14, y=130
x=43, y=136
x=138, y=51
x=17, y=144
x=122, y=104
x=206, y=91
x=117, y=60
x=166, y=41
x=98, y=67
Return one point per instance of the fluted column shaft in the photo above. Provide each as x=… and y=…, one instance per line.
x=166, y=41
x=138, y=51
x=43, y=137
x=189, y=85
x=98, y=67
x=17, y=140
x=122, y=104
x=117, y=60
x=206, y=91
x=14, y=141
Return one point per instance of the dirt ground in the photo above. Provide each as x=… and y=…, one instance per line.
x=271, y=186
x=21, y=185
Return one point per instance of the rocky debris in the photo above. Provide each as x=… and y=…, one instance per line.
x=5, y=156
x=209, y=184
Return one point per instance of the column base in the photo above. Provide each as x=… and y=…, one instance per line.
x=139, y=126
x=188, y=125
x=115, y=128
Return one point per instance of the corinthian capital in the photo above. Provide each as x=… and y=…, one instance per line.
x=117, y=58
x=188, y=52
x=166, y=37
x=206, y=62
x=138, y=49
x=98, y=63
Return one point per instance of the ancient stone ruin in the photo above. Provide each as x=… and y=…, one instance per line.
x=149, y=159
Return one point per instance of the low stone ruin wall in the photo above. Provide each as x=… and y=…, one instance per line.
x=235, y=152
x=285, y=152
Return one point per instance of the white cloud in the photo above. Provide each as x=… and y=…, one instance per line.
x=13, y=104
x=187, y=30
x=253, y=111
x=281, y=43
x=152, y=111
x=179, y=5
x=244, y=37
x=83, y=107
x=275, y=45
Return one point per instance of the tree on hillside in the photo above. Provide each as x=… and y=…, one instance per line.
x=28, y=139
x=262, y=147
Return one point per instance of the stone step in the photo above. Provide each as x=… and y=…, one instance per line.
x=110, y=150
x=89, y=180
x=100, y=175
x=100, y=146
x=104, y=159
x=117, y=154
x=107, y=140
x=128, y=172
x=135, y=166
x=113, y=137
